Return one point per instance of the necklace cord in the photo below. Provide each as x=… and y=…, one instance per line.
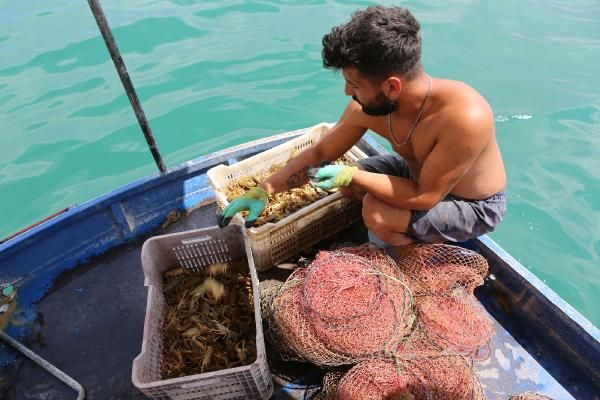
x=412, y=128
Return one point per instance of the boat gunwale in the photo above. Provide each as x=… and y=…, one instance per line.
x=196, y=165
x=573, y=323
x=145, y=183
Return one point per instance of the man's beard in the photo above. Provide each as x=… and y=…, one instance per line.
x=380, y=105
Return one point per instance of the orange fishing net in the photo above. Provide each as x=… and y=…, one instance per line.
x=439, y=268
x=357, y=307
x=290, y=329
x=411, y=322
x=443, y=279
x=457, y=321
x=443, y=377
x=342, y=308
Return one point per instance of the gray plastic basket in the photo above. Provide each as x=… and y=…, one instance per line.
x=195, y=250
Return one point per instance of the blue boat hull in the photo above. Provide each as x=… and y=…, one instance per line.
x=81, y=299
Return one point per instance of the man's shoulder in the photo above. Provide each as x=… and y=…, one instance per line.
x=462, y=104
x=462, y=115
x=461, y=94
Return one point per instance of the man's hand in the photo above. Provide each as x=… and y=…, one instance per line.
x=253, y=201
x=334, y=176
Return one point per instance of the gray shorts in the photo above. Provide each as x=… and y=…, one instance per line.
x=453, y=219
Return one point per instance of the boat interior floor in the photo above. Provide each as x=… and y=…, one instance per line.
x=90, y=323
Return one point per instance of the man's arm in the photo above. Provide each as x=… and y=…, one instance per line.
x=450, y=159
x=332, y=146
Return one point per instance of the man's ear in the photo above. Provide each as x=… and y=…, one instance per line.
x=392, y=87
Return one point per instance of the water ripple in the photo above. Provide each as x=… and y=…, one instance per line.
x=212, y=74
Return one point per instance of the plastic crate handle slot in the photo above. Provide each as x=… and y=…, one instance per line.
x=197, y=240
x=206, y=382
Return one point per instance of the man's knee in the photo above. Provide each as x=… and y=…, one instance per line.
x=371, y=216
x=378, y=215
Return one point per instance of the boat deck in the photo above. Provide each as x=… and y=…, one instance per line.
x=90, y=326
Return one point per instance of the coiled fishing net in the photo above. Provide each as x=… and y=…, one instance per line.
x=331, y=382
x=443, y=377
x=357, y=307
x=411, y=322
x=342, y=308
x=419, y=345
x=456, y=321
x=443, y=278
x=440, y=268
x=290, y=329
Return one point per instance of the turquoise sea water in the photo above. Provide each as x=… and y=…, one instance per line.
x=212, y=74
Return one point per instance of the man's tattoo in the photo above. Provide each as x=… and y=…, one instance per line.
x=297, y=179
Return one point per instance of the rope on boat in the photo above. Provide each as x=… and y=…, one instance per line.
x=111, y=45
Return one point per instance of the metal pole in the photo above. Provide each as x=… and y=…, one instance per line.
x=109, y=40
x=46, y=365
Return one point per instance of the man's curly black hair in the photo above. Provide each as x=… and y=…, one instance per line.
x=379, y=41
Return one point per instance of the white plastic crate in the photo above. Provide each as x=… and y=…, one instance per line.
x=195, y=250
x=276, y=242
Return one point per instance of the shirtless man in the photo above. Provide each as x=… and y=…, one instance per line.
x=446, y=181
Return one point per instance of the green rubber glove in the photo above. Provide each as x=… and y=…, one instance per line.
x=334, y=176
x=254, y=201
